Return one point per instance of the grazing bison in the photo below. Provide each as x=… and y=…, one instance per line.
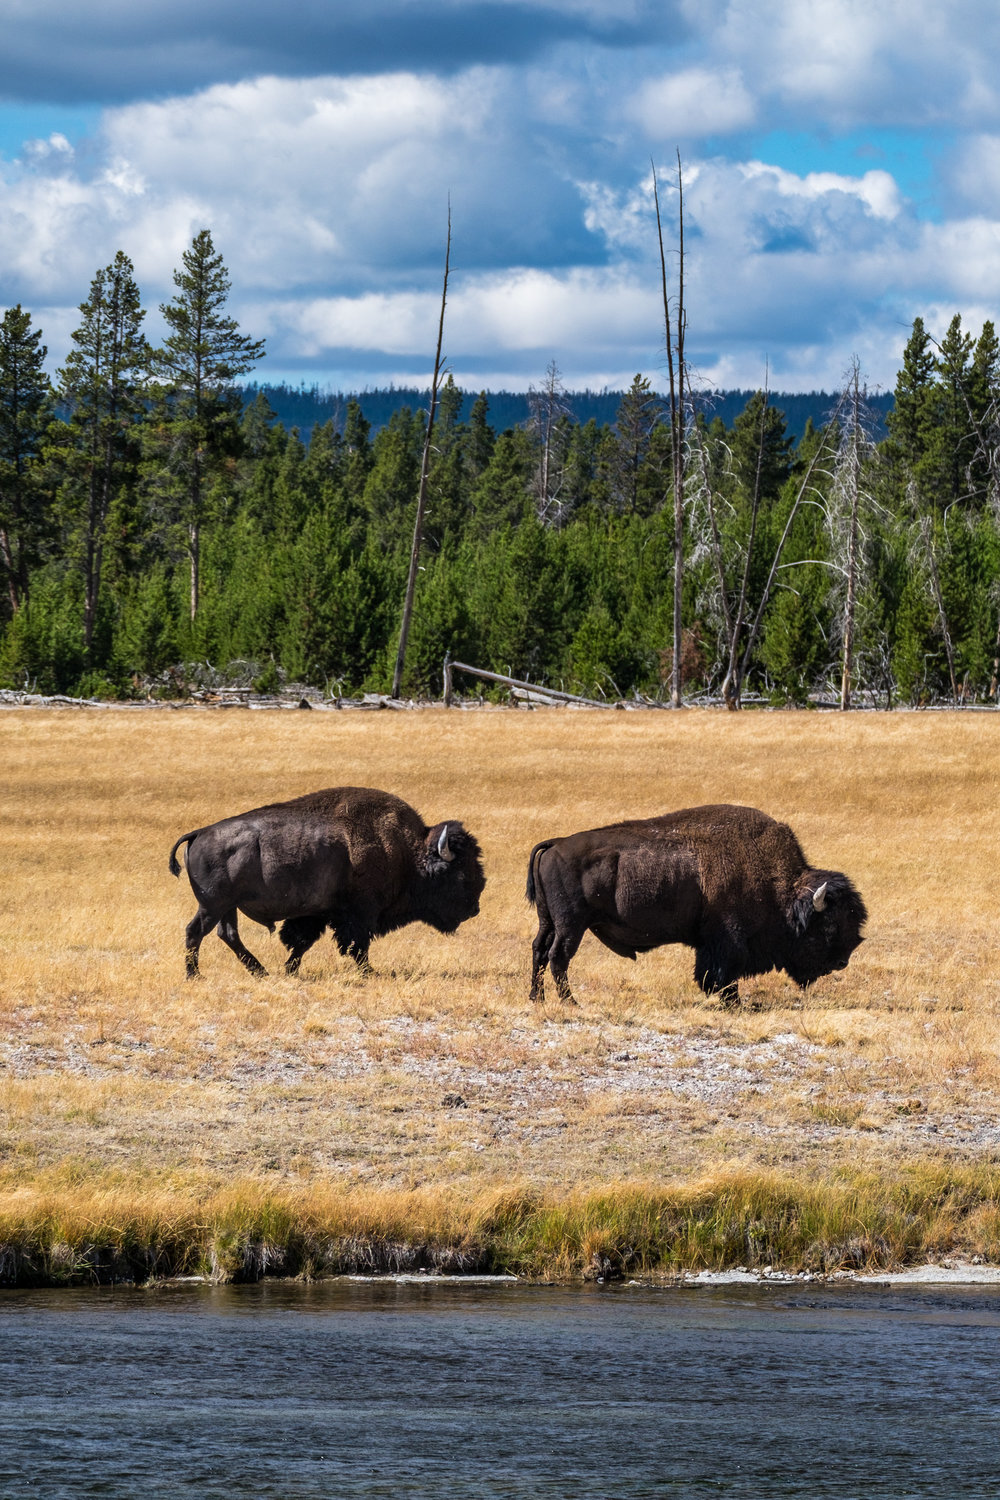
x=358, y=861
x=729, y=882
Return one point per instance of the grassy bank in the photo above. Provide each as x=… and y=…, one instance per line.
x=54, y=1234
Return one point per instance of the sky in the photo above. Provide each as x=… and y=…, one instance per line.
x=841, y=167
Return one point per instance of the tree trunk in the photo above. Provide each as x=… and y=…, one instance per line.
x=425, y=465
x=194, y=557
x=90, y=568
x=8, y=562
x=677, y=446
x=732, y=685
x=677, y=424
x=852, y=551
x=949, y=649
x=995, y=678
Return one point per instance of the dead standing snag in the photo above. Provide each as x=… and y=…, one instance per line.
x=729, y=882
x=356, y=860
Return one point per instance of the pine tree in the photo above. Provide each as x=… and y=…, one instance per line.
x=911, y=420
x=639, y=413
x=103, y=382
x=24, y=410
x=479, y=437
x=951, y=447
x=358, y=451
x=199, y=420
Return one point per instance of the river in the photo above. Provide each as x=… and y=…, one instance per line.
x=466, y=1391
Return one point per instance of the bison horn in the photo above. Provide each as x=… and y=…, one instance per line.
x=443, y=849
x=819, y=897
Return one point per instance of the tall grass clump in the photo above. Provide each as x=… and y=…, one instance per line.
x=246, y=1230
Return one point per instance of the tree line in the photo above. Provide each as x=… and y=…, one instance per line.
x=151, y=518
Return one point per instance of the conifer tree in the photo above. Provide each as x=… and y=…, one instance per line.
x=479, y=438
x=357, y=450
x=103, y=382
x=639, y=413
x=24, y=399
x=203, y=355
x=910, y=422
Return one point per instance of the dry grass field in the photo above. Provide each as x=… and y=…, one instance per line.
x=126, y=1091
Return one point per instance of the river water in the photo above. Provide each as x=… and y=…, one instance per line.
x=400, y=1390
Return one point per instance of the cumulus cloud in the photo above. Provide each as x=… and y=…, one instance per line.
x=327, y=196
x=693, y=103
x=305, y=183
x=839, y=63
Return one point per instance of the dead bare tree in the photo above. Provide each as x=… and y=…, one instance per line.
x=677, y=370
x=850, y=500
x=740, y=632
x=425, y=466
x=548, y=407
x=923, y=553
x=732, y=682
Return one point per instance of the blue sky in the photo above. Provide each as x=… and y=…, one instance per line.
x=841, y=160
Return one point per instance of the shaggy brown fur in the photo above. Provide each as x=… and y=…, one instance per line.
x=730, y=882
x=359, y=861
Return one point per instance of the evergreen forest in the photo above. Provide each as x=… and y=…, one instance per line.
x=156, y=518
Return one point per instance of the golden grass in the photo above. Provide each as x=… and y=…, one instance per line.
x=113, y=1069
x=62, y=1231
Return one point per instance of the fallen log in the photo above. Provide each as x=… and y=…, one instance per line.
x=514, y=682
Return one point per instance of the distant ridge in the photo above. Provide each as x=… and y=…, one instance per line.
x=305, y=406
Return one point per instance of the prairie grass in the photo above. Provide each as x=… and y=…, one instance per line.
x=324, y=1095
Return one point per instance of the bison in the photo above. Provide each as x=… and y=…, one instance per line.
x=729, y=882
x=358, y=861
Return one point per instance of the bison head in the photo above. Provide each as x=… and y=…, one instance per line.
x=452, y=878
x=826, y=919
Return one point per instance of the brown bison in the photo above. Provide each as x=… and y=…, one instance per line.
x=729, y=882
x=358, y=861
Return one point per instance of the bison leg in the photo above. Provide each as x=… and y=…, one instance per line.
x=298, y=934
x=229, y=933
x=353, y=939
x=198, y=928
x=359, y=952
x=561, y=950
x=716, y=977
x=540, y=950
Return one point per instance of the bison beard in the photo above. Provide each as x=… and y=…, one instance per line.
x=356, y=860
x=729, y=882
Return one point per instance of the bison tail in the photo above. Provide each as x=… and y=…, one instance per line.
x=531, y=890
x=185, y=838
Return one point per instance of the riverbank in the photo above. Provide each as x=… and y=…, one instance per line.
x=435, y=1076
x=55, y=1233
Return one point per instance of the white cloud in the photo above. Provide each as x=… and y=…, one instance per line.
x=877, y=190
x=51, y=152
x=327, y=198
x=840, y=63
x=696, y=102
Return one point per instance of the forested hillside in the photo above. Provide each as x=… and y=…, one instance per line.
x=306, y=407
x=149, y=519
